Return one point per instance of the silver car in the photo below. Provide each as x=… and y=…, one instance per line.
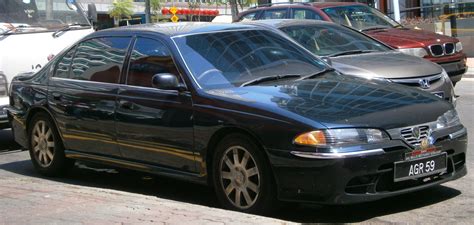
x=354, y=53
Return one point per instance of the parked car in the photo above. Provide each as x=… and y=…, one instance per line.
x=354, y=53
x=236, y=107
x=441, y=49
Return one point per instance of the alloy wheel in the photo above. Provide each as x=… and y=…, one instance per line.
x=239, y=177
x=42, y=143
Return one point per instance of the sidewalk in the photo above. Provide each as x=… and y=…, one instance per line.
x=470, y=64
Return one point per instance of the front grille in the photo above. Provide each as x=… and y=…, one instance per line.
x=3, y=85
x=437, y=50
x=408, y=135
x=416, y=82
x=449, y=48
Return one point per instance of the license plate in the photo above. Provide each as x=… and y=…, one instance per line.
x=420, y=167
x=439, y=94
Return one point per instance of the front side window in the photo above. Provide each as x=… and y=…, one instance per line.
x=149, y=57
x=330, y=40
x=249, y=17
x=359, y=16
x=307, y=14
x=100, y=59
x=232, y=58
x=275, y=14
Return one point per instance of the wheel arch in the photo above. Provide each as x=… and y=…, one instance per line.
x=40, y=109
x=223, y=132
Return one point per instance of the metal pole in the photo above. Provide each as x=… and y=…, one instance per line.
x=396, y=10
x=147, y=11
x=49, y=10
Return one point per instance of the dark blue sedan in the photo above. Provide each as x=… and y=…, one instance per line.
x=236, y=107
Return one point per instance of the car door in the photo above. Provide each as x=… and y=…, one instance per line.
x=83, y=92
x=153, y=125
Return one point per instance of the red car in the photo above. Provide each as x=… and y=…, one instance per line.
x=441, y=49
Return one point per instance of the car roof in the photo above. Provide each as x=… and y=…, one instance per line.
x=304, y=4
x=177, y=29
x=334, y=4
x=279, y=23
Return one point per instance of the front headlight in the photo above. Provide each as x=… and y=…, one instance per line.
x=448, y=119
x=420, y=52
x=458, y=47
x=341, y=137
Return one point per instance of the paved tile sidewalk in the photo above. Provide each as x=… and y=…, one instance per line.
x=27, y=201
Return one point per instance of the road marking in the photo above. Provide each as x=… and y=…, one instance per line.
x=467, y=79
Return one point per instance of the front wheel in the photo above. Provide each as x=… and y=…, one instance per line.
x=242, y=178
x=46, y=149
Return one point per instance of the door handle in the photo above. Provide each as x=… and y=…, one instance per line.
x=126, y=105
x=57, y=96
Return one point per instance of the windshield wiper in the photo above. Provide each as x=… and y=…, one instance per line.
x=268, y=78
x=69, y=27
x=11, y=30
x=326, y=70
x=351, y=52
x=375, y=28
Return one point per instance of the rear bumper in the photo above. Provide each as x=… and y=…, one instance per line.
x=348, y=180
x=4, y=123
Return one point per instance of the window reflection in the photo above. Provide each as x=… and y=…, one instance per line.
x=100, y=59
x=228, y=59
x=149, y=57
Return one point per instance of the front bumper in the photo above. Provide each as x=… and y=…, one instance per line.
x=455, y=69
x=353, y=179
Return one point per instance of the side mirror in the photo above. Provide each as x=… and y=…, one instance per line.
x=166, y=81
x=92, y=13
x=327, y=60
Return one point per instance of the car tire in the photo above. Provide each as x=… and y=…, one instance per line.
x=46, y=148
x=242, y=178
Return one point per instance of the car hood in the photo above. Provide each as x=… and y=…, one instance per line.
x=408, y=38
x=389, y=64
x=337, y=101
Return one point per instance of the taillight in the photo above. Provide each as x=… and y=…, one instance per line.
x=3, y=85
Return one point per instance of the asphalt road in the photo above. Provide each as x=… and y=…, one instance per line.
x=452, y=202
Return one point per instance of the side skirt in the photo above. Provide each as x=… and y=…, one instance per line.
x=185, y=176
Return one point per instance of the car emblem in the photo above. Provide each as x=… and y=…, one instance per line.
x=425, y=143
x=424, y=83
x=415, y=131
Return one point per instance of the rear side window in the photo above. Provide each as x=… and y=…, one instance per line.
x=275, y=14
x=249, y=16
x=305, y=14
x=63, y=65
x=100, y=59
x=149, y=57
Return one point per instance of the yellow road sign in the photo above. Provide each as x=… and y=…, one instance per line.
x=174, y=18
x=173, y=10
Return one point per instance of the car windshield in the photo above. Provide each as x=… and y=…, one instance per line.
x=19, y=16
x=233, y=58
x=360, y=17
x=330, y=40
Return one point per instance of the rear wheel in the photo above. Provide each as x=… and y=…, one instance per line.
x=46, y=149
x=242, y=178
